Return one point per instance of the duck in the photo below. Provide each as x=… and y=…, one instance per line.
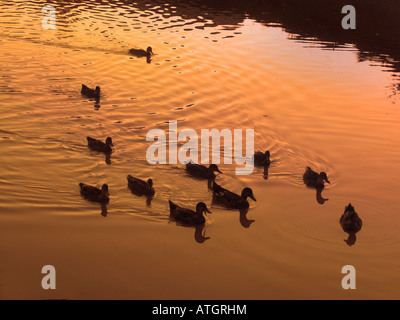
x=201, y=171
x=314, y=179
x=100, y=146
x=95, y=194
x=188, y=216
x=350, y=221
x=232, y=200
x=91, y=93
x=140, y=187
x=262, y=159
x=141, y=53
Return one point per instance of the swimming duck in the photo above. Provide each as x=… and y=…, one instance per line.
x=100, y=146
x=188, y=216
x=95, y=194
x=232, y=200
x=350, y=221
x=314, y=179
x=140, y=187
x=91, y=93
x=262, y=159
x=141, y=53
x=200, y=171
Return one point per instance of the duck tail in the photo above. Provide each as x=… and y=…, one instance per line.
x=172, y=206
x=81, y=185
x=349, y=208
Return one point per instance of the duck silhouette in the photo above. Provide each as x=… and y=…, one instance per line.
x=262, y=159
x=231, y=200
x=201, y=171
x=100, y=146
x=141, y=53
x=351, y=223
x=91, y=93
x=188, y=216
x=140, y=188
x=95, y=194
x=314, y=179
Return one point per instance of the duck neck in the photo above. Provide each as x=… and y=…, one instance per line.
x=320, y=180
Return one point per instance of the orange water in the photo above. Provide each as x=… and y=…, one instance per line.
x=309, y=106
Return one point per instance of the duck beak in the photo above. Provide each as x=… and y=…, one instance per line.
x=252, y=197
x=208, y=211
x=219, y=171
x=327, y=180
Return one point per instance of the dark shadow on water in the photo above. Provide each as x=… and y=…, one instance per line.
x=320, y=199
x=265, y=173
x=244, y=221
x=200, y=234
x=104, y=212
x=351, y=240
x=149, y=198
x=108, y=158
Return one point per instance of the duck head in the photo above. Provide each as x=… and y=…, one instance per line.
x=109, y=142
x=323, y=177
x=97, y=90
x=214, y=168
x=104, y=189
x=201, y=207
x=267, y=154
x=149, y=51
x=247, y=192
x=150, y=183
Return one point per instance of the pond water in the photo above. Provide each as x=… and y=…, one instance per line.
x=311, y=101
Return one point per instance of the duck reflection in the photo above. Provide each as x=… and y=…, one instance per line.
x=108, y=158
x=265, y=173
x=243, y=218
x=351, y=240
x=200, y=234
x=104, y=212
x=319, y=197
x=149, y=198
